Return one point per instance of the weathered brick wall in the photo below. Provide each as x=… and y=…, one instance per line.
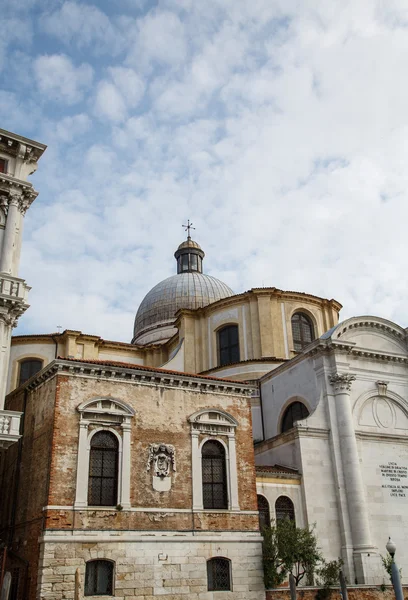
x=161, y=416
x=31, y=475
x=354, y=593
x=48, y=477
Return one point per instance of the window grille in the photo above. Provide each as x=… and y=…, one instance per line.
x=228, y=345
x=302, y=331
x=295, y=412
x=28, y=368
x=103, y=470
x=99, y=578
x=284, y=509
x=214, y=476
x=218, y=574
x=264, y=514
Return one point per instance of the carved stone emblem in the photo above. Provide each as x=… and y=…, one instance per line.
x=163, y=458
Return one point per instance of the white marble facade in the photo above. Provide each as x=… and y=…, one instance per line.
x=352, y=449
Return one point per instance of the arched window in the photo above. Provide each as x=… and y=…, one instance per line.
x=302, y=331
x=284, y=508
x=219, y=574
x=99, y=578
x=228, y=345
x=264, y=514
x=103, y=470
x=215, y=493
x=295, y=412
x=28, y=368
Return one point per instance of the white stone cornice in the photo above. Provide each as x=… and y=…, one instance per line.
x=141, y=376
x=342, y=381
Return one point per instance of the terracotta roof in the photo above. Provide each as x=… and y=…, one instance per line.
x=111, y=363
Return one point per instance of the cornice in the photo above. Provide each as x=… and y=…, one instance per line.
x=252, y=294
x=371, y=323
x=392, y=438
x=141, y=375
x=8, y=135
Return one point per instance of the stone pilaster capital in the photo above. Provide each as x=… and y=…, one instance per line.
x=342, y=381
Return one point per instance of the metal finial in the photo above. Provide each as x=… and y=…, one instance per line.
x=187, y=228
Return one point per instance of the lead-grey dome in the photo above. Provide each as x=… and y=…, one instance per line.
x=190, y=288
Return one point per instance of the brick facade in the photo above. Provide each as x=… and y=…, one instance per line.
x=158, y=523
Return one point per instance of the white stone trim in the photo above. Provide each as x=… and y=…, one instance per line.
x=93, y=412
x=224, y=425
x=149, y=536
x=152, y=510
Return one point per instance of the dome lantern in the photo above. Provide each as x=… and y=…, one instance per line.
x=189, y=256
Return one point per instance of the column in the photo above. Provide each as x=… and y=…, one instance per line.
x=9, y=240
x=353, y=481
x=234, y=502
x=125, y=489
x=196, y=472
x=81, y=496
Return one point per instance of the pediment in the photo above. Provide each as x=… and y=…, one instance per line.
x=372, y=334
x=213, y=416
x=107, y=406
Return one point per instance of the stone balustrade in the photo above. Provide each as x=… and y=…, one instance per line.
x=13, y=288
x=9, y=427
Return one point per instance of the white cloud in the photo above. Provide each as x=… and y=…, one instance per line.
x=59, y=80
x=158, y=37
x=83, y=25
x=279, y=128
x=15, y=31
x=129, y=83
x=109, y=103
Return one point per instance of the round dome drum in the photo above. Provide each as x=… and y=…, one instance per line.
x=155, y=318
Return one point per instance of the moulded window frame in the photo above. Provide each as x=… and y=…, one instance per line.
x=108, y=560
x=230, y=573
x=84, y=449
x=226, y=429
x=313, y=322
x=217, y=336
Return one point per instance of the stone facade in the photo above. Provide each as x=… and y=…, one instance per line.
x=352, y=449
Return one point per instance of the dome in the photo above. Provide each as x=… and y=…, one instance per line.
x=155, y=317
x=190, y=288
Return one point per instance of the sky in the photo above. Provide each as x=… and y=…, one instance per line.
x=278, y=127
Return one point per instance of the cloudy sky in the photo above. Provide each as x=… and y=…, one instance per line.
x=278, y=127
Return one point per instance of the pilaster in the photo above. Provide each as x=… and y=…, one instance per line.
x=364, y=552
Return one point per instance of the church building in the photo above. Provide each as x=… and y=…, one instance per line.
x=147, y=469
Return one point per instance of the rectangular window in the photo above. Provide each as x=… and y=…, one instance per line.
x=3, y=165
